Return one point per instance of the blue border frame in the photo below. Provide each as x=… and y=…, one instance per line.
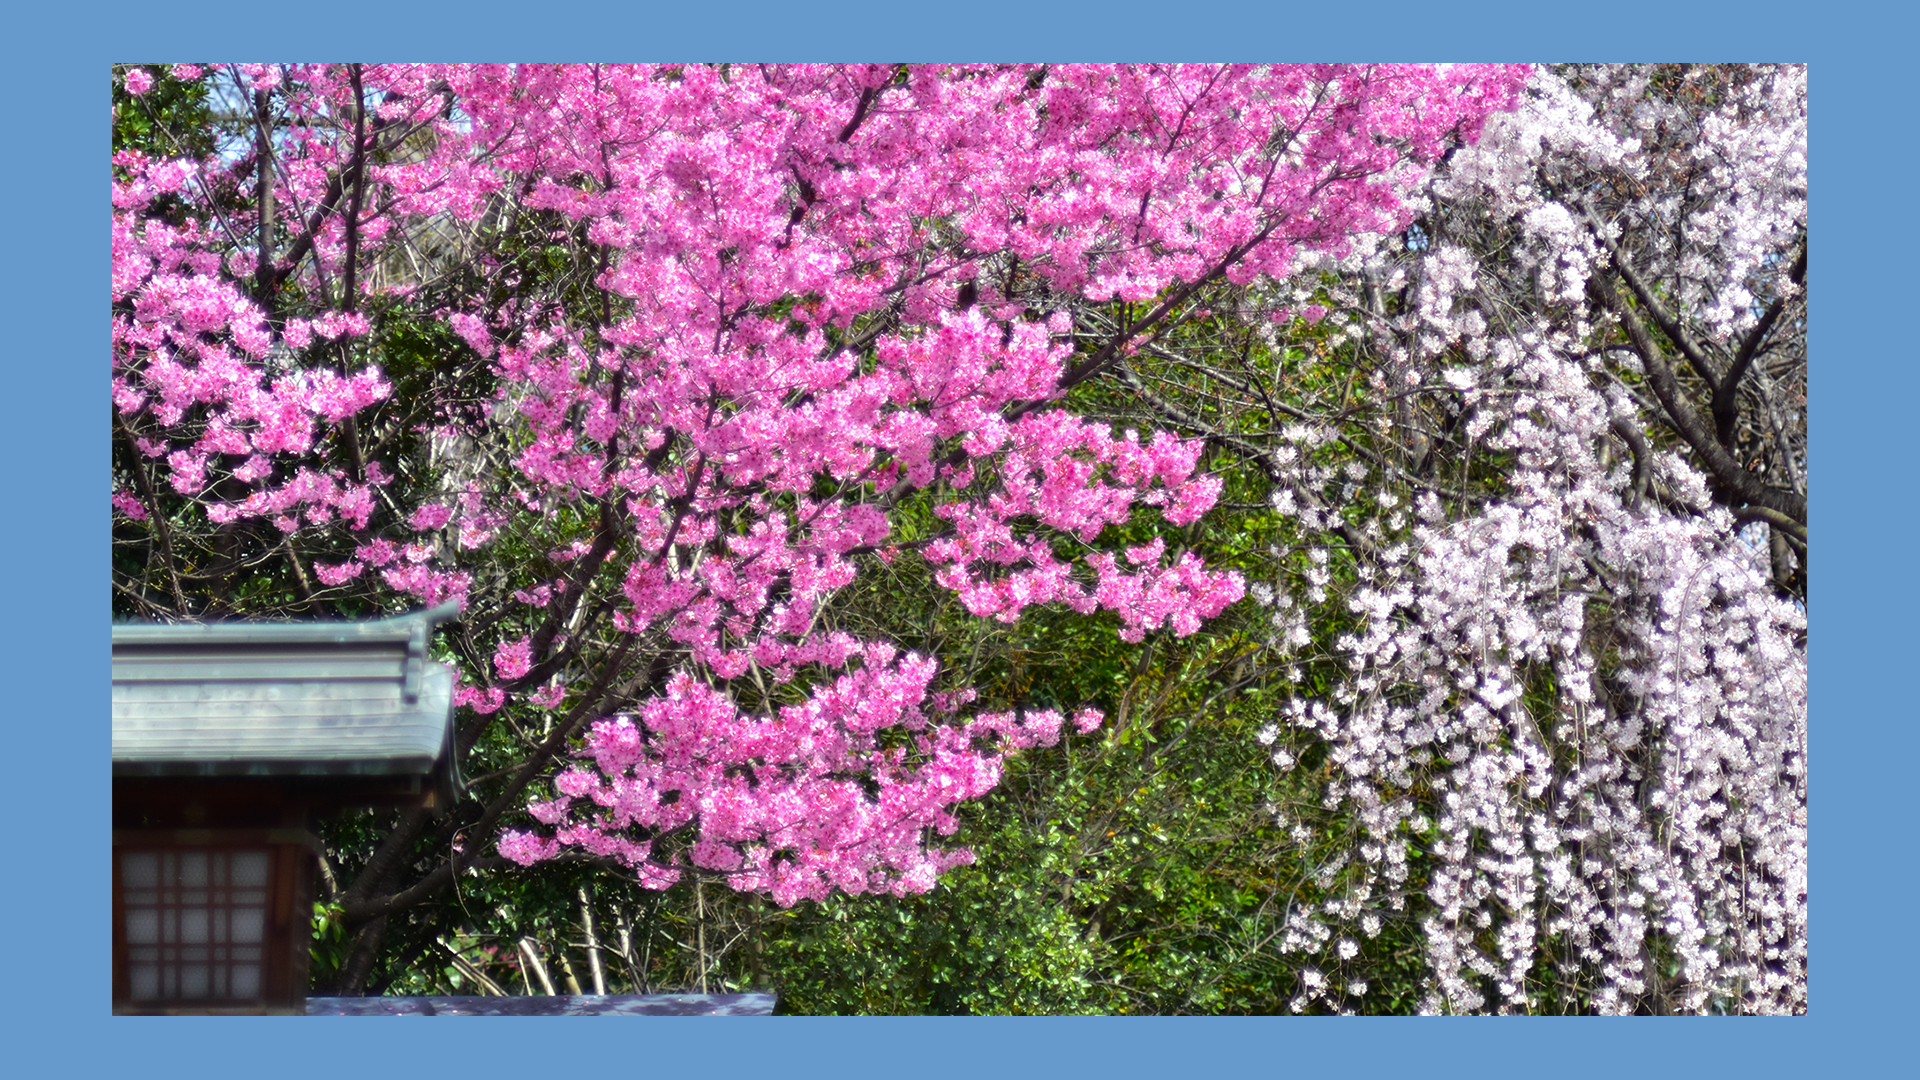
x=1863, y=737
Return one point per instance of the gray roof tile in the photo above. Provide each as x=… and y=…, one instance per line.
x=272, y=699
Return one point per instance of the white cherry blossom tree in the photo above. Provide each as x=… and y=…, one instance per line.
x=1538, y=466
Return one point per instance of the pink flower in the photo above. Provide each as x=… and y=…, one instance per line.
x=473, y=331
x=129, y=504
x=481, y=701
x=526, y=848
x=138, y=81
x=332, y=574
x=513, y=659
x=430, y=516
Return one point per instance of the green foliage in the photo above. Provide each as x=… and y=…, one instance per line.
x=172, y=119
x=327, y=949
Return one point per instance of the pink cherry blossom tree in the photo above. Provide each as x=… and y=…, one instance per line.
x=1540, y=465
x=642, y=364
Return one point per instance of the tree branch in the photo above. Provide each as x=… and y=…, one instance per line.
x=1774, y=518
x=1669, y=325
x=1725, y=400
x=1718, y=461
x=154, y=514
x=1642, y=456
x=593, y=704
x=1244, y=449
x=265, y=279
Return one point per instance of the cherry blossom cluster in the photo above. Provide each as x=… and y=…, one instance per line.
x=203, y=349
x=818, y=797
x=803, y=313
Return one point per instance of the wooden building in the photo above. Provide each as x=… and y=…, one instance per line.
x=229, y=742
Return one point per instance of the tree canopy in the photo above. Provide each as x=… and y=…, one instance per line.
x=1388, y=478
